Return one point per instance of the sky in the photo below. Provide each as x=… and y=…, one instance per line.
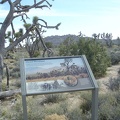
x=87, y=16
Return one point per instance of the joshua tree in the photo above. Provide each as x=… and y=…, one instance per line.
x=96, y=36
x=66, y=64
x=108, y=38
x=34, y=29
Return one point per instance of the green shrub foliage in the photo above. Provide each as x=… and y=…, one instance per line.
x=115, y=57
x=68, y=47
x=53, y=98
x=114, y=84
x=94, y=51
x=108, y=105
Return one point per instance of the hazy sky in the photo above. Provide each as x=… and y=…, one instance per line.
x=87, y=16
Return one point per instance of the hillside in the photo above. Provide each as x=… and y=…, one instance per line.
x=56, y=40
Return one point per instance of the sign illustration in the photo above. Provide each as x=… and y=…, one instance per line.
x=56, y=75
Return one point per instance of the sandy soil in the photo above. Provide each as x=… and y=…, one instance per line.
x=112, y=72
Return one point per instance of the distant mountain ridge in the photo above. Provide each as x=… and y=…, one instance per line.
x=57, y=39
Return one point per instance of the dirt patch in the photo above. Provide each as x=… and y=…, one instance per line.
x=112, y=72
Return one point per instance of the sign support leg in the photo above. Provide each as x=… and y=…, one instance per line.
x=94, y=104
x=25, y=117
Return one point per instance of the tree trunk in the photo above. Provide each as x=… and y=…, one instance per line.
x=9, y=93
x=7, y=74
x=1, y=71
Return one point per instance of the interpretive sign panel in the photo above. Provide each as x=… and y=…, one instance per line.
x=56, y=75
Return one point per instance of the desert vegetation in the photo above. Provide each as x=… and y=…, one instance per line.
x=95, y=52
x=65, y=106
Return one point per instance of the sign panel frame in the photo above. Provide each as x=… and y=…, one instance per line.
x=57, y=75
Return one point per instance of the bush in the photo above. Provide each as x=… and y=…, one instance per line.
x=114, y=84
x=108, y=105
x=109, y=108
x=119, y=71
x=36, y=54
x=55, y=117
x=53, y=98
x=75, y=114
x=15, y=74
x=96, y=54
x=4, y=86
x=115, y=57
x=17, y=69
x=87, y=102
x=18, y=83
x=68, y=47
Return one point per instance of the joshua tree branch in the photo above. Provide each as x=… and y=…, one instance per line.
x=27, y=8
x=19, y=39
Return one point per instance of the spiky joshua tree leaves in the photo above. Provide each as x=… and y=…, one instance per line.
x=33, y=30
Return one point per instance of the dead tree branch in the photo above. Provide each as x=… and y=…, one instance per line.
x=9, y=93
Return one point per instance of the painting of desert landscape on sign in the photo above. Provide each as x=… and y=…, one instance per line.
x=55, y=75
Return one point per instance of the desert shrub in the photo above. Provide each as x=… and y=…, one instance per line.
x=4, y=73
x=107, y=112
x=3, y=113
x=86, y=104
x=95, y=52
x=115, y=57
x=18, y=83
x=55, y=117
x=12, y=61
x=12, y=112
x=21, y=52
x=9, y=55
x=108, y=105
x=4, y=86
x=117, y=97
x=11, y=67
x=34, y=110
x=49, y=44
x=58, y=108
x=96, y=56
x=68, y=47
x=75, y=114
x=109, y=108
x=119, y=71
x=16, y=69
x=15, y=74
x=62, y=108
x=36, y=54
x=114, y=84
x=40, y=111
x=54, y=98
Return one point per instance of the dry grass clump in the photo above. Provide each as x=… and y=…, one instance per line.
x=55, y=117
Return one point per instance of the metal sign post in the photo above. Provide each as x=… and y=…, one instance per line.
x=94, y=93
x=70, y=73
x=95, y=104
x=23, y=90
x=24, y=103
